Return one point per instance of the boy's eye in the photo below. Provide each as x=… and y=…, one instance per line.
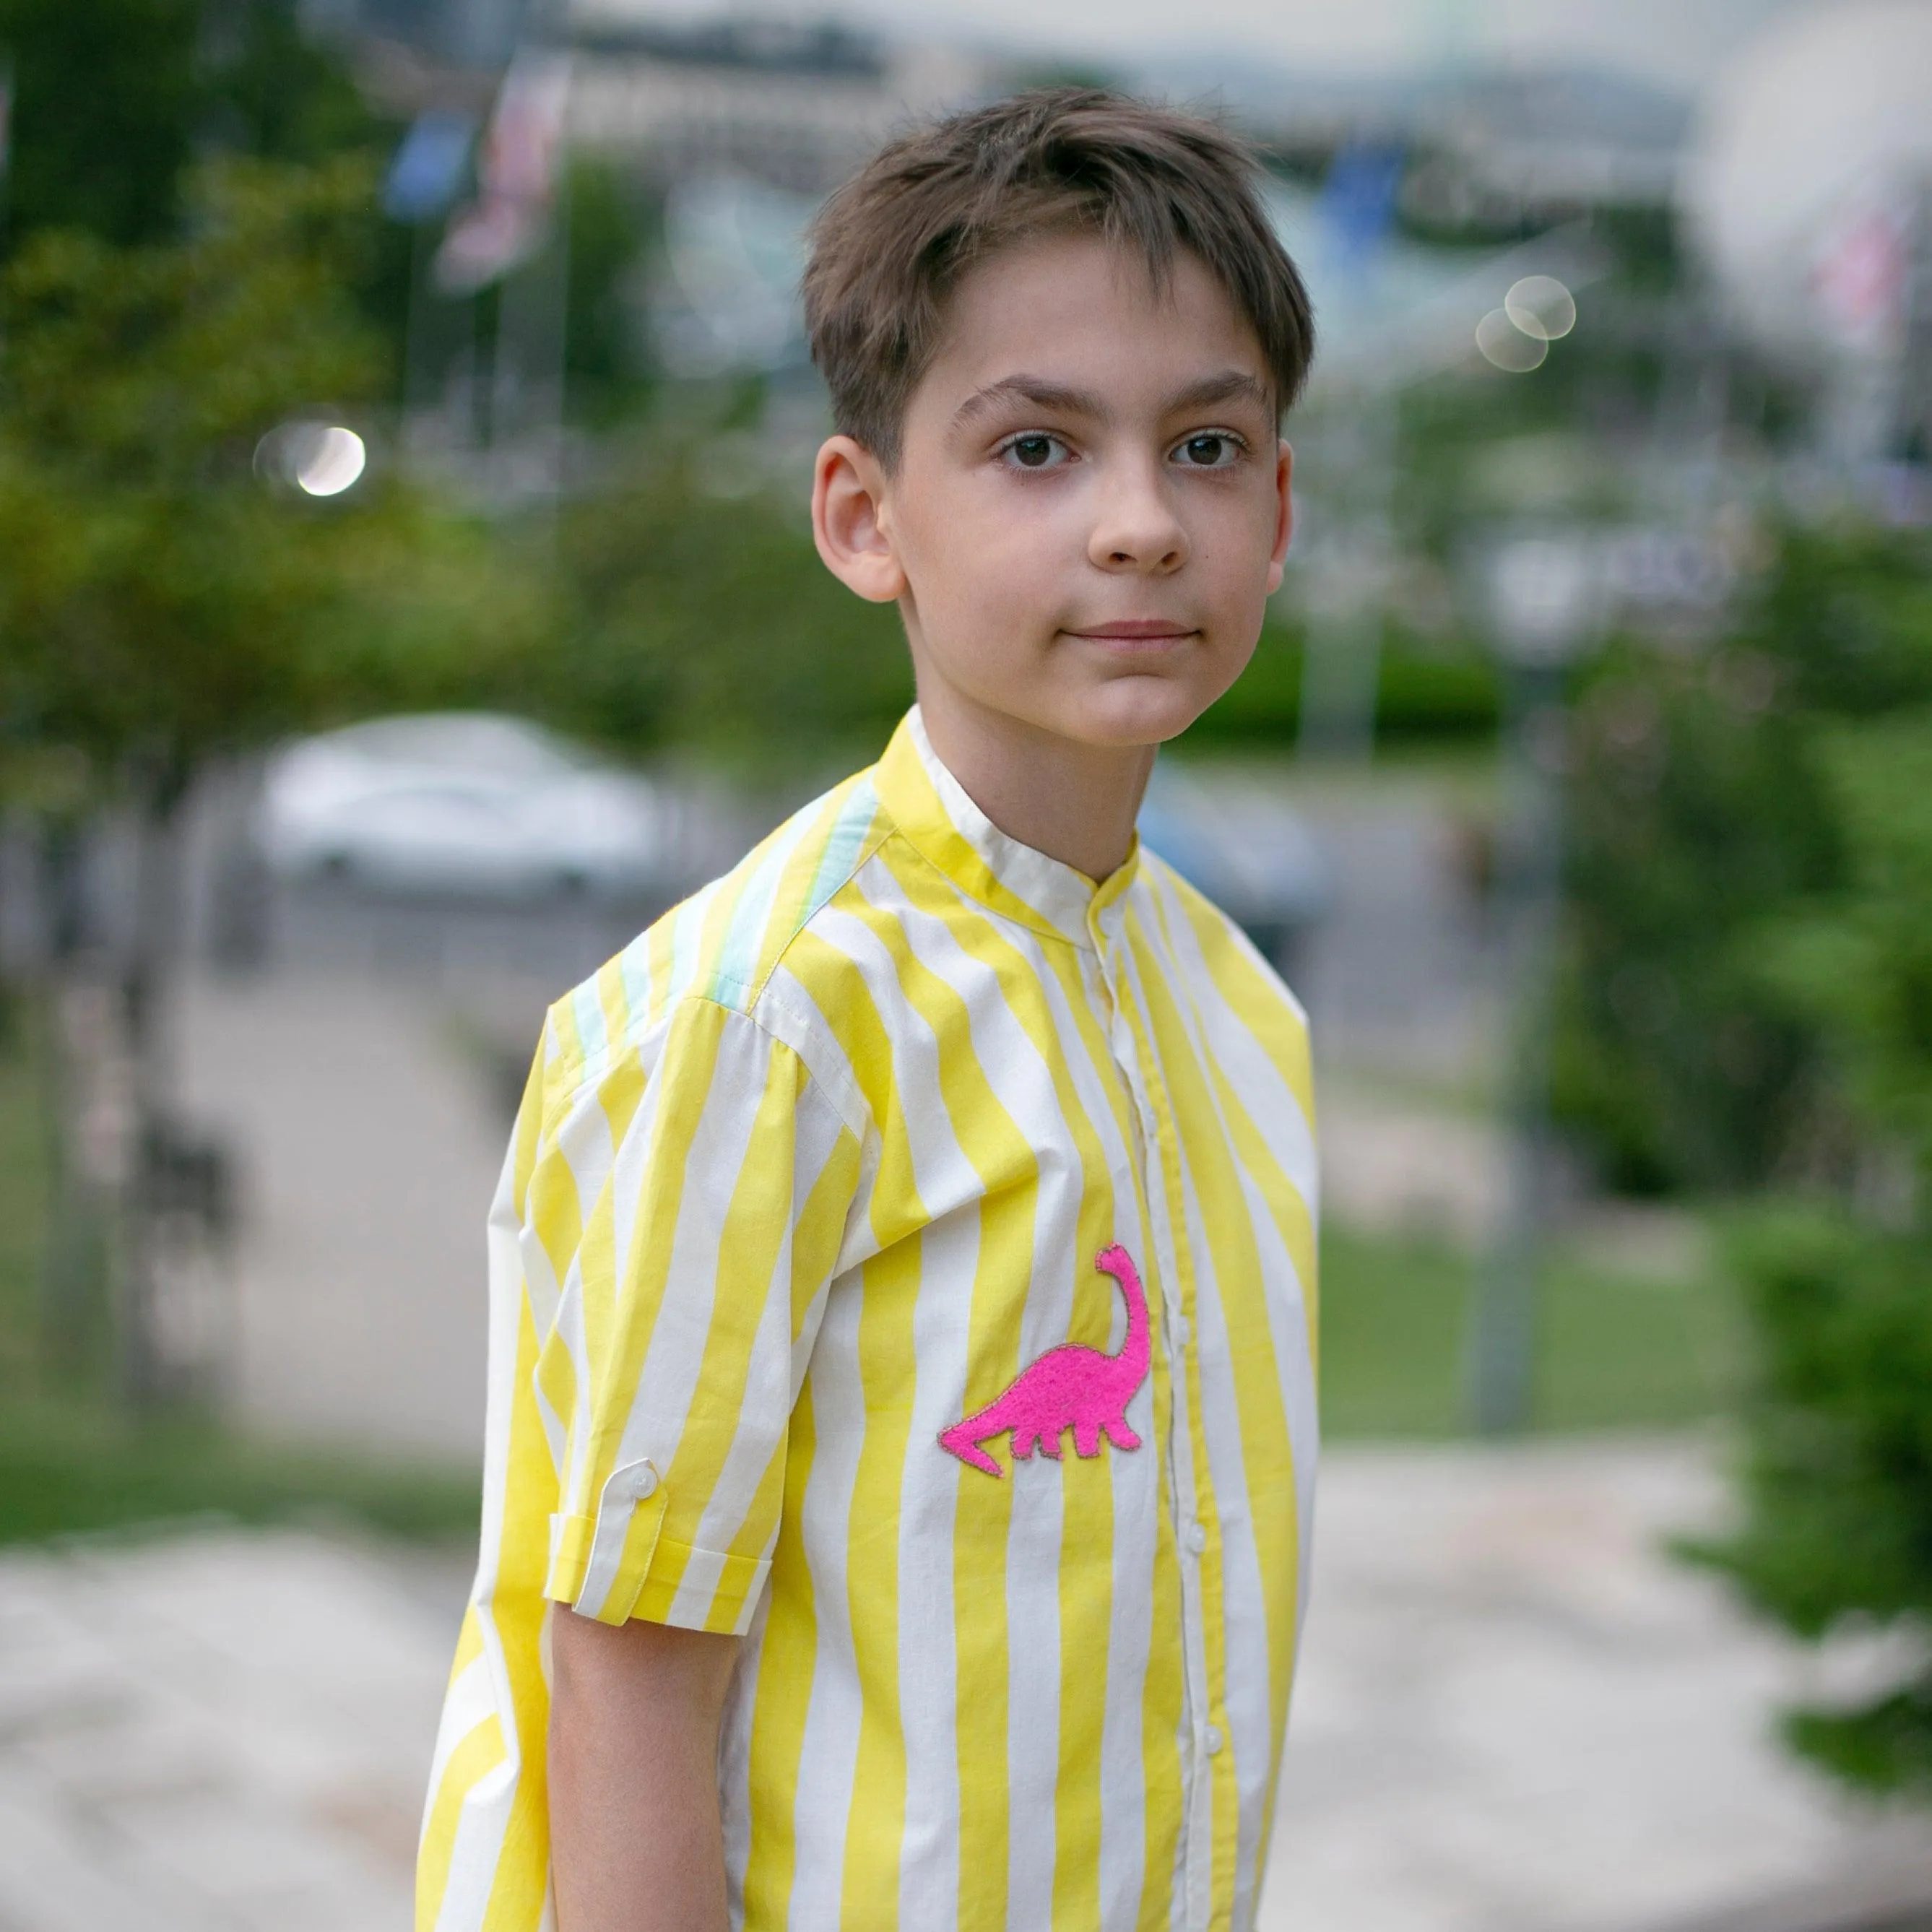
x=1035, y=451
x=1210, y=450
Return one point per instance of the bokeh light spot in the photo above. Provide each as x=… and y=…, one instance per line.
x=1541, y=306
x=1505, y=345
x=333, y=464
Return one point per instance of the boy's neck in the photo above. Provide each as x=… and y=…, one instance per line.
x=1076, y=803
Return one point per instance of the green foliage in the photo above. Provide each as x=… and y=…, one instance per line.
x=1695, y=814
x=268, y=90
x=110, y=167
x=112, y=98
x=1858, y=963
x=1706, y=806
x=1839, y=1478
x=1751, y=1009
x=697, y=622
x=608, y=234
x=1423, y=694
x=157, y=598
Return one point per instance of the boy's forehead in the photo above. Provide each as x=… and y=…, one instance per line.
x=1078, y=312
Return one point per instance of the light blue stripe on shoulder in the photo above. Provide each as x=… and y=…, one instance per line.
x=587, y=1010
x=634, y=970
x=737, y=962
x=843, y=846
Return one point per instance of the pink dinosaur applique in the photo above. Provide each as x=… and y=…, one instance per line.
x=1071, y=1386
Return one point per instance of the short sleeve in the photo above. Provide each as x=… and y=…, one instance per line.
x=689, y=1202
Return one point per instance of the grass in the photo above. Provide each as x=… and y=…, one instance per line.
x=25, y=1179
x=1613, y=1350
x=68, y=1465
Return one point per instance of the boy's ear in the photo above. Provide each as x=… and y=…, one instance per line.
x=848, y=521
x=1284, y=513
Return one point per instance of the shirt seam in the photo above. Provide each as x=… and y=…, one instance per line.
x=593, y=1067
x=749, y=994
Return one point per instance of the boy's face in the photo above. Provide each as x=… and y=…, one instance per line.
x=1091, y=503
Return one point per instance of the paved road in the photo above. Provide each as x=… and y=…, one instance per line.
x=1515, y=1716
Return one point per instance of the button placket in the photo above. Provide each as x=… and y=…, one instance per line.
x=1129, y=1050
x=1191, y=1534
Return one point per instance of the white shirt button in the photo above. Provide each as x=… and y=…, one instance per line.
x=1214, y=1740
x=1197, y=1537
x=1181, y=1331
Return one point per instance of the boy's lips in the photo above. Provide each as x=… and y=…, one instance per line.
x=1150, y=631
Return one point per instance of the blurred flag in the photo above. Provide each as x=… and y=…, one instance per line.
x=1357, y=201
x=427, y=171
x=517, y=178
x=1862, y=273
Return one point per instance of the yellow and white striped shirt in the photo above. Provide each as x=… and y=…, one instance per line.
x=905, y=1258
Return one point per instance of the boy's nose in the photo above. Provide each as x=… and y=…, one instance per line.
x=1136, y=529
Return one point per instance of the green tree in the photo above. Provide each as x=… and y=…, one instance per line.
x=695, y=621
x=158, y=600
x=1840, y=1471
x=161, y=605
x=111, y=167
x=1751, y=1012
x=112, y=99
x=1701, y=808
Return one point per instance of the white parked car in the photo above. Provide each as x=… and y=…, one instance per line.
x=464, y=802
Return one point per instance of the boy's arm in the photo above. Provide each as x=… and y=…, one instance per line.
x=635, y=1841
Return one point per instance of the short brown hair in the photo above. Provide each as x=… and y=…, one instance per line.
x=890, y=244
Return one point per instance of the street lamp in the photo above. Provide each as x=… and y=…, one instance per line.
x=1544, y=593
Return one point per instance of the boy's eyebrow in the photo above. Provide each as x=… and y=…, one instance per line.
x=1228, y=386
x=1037, y=390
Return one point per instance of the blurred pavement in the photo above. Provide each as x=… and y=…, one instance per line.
x=1515, y=1715
x=216, y=1731
x=369, y=1139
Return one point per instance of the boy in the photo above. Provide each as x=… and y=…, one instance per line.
x=902, y=1419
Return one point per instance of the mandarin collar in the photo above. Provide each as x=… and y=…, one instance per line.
x=931, y=807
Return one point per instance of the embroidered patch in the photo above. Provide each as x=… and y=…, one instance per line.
x=1071, y=1386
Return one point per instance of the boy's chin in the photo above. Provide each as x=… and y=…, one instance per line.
x=1131, y=711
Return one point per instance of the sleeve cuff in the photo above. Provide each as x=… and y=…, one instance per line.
x=616, y=1565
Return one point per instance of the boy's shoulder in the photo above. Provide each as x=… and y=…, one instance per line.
x=721, y=945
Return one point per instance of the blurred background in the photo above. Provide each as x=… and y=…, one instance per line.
x=406, y=592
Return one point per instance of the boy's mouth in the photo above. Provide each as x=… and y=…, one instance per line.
x=1151, y=633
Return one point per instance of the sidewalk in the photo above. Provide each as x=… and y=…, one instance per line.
x=1515, y=1715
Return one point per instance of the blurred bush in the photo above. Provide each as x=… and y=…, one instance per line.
x=688, y=619
x=1749, y=1012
